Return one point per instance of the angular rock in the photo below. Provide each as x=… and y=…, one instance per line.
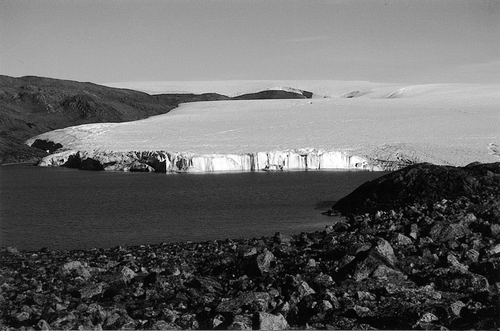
x=266, y=321
x=494, y=250
x=402, y=240
x=43, y=325
x=241, y=322
x=333, y=299
x=22, y=316
x=90, y=291
x=246, y=250
x=257, y=300
x=162, y=325
x=453, y=262
x=362, y=311
x=265, y=261
x=303, y=289
x=460, y=281
x=322, y=282
x=363, y=295
x=472, y=255
x=428, y=318
x=188, y=322
x=381, y=256
x=325, y=306
x=385, y=250
x=414, y=231
x=206, y=284
x=217, y=320
x=127, y=274
x=456, y=307
x=443, y=231
x=282, y=239
x=78, y=267
x=384, y=272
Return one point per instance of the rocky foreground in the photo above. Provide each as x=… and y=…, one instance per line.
x=429, y=258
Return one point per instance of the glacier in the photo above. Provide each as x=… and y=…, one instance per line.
x=346, y=125
x=175, y=162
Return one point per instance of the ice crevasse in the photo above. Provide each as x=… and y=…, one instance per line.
x=171, y=162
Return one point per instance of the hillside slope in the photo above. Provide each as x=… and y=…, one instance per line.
x=33, y=105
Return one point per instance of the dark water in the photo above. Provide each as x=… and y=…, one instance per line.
x=63, y=208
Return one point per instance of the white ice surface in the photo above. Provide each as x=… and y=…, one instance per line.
x=441, y=123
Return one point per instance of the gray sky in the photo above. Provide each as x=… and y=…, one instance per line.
x=401, y=41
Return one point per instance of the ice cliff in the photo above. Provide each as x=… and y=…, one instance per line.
x=171, y=162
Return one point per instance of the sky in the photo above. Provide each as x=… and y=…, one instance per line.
x=392, y=41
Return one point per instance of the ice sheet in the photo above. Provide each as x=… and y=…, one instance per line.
x=441, y=123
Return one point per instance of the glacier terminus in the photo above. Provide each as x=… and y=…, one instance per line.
x=169, y=162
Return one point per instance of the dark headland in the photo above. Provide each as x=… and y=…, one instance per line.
x=418, y=248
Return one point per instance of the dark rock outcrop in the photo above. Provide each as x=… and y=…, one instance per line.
x=422, y=183
x=45, y=145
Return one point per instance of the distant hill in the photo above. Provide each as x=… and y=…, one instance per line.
x=273, y=94
x=33, y=105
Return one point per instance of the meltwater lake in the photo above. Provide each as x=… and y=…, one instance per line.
x=62, y=208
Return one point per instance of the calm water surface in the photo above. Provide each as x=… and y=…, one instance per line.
x=63, y=208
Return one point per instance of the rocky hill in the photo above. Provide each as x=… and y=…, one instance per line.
x=274, y=94
x=33, y=105
x=423, y=183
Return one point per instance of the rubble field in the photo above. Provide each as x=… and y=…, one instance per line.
x=418, y=248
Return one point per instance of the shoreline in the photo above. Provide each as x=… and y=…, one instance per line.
x=17, y=163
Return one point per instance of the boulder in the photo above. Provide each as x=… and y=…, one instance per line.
x=265, y=261
x=127, y=274
x=257, y=301
x=241, y=322
x=91, y=290
x=266, y=321
x=77, y=267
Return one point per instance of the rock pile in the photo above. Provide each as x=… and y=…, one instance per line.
x=429, y=264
